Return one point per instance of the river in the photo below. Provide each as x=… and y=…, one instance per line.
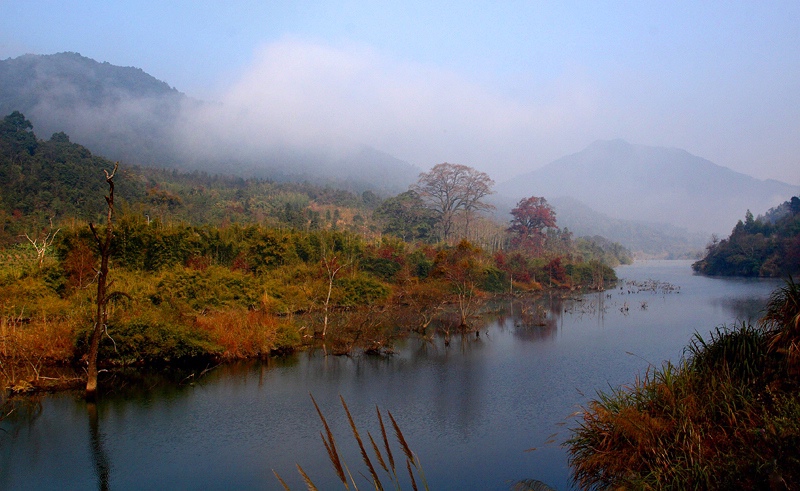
x=480, y=414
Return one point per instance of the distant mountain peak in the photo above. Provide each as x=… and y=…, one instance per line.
x=652, y=184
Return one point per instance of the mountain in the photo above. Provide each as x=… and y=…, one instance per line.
x=645, y=239
x=126, y=114
x=120, y=112
x=652, y=184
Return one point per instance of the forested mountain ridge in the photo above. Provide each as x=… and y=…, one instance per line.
x=56, y=178
x=652, y=184
x=765, y=246
x=120, y=112
x=125, y=114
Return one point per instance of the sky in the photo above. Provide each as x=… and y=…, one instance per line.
x=505, y=87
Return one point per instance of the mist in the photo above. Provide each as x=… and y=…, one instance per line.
x=332, y=101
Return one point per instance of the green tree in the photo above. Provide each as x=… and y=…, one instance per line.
x=17, y=136
x=406, y=216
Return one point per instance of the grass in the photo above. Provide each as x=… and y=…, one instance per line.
x=727, y=416
x=382, y=469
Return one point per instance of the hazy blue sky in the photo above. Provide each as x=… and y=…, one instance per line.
x=505, y=88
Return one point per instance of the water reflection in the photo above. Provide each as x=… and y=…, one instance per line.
x=744, y=309
x=470, y=409
x=102, y=466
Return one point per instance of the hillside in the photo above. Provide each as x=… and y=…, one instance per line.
x=122, y=113
x=765, y=246
x=62, y=180
x=646, y=239
x=652, y=184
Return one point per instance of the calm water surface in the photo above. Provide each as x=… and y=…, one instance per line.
x=470, y=411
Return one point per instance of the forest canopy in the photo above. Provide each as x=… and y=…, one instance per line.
x=765, y=246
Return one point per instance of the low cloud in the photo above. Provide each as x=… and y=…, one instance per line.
x=330, y=100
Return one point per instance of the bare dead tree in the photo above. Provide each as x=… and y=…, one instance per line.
x=103, y=285
x=47, y=241
x=333, y=261
x=332, y=267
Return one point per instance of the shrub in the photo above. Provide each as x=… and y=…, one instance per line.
x=726, y=417
x=241, y=333
x=359, y=290
x=150, y=337
x=213, y=288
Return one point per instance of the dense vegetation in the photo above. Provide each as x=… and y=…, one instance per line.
x=726, y=417
x=765, y=246
x=209, y=267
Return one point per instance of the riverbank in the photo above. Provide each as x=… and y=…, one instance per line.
x=43, y=355
x=470, y=410
x=725, y=416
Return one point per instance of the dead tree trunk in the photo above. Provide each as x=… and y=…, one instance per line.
x=101, y=316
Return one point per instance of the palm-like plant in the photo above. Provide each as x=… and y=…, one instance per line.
x=782, y=319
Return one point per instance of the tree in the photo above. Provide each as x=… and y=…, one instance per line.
x=452, y=188
x=464, y=270
x=17, y=134
x=405, y=216
x=103, y=296
x=529, y=220
x=46, y=243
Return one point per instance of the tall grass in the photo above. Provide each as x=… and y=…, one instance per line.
x=727, y=416
x=382, y=468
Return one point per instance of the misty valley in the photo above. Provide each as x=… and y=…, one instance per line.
x=197, y=314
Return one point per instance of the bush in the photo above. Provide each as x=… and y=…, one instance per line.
x=727, y=417
x=213, y=288
x=149, y=337
x=241, y=333
x=494, y=280
x=358, y=290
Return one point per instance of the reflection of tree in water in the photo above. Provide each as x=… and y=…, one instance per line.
x=18, y=412
x=743, y=308
x=102, y=466
x=536, y=319
x=453, y=379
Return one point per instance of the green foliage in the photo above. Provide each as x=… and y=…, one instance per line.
x=287, y=338
x=494, y=280
x=406, y=216
x=383, y=268
x=151, y=338
x=42, y=179
x=593, y=273
x=768, y=246
x=213, y=288
x=359, y=290
x=740, y=353
x=603, y=250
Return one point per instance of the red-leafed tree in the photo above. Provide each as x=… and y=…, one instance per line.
x=528, y=223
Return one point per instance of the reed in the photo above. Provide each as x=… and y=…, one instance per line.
x=726, y=416
x=412, y=463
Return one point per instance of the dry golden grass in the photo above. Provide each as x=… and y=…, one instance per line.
x=245, y=333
